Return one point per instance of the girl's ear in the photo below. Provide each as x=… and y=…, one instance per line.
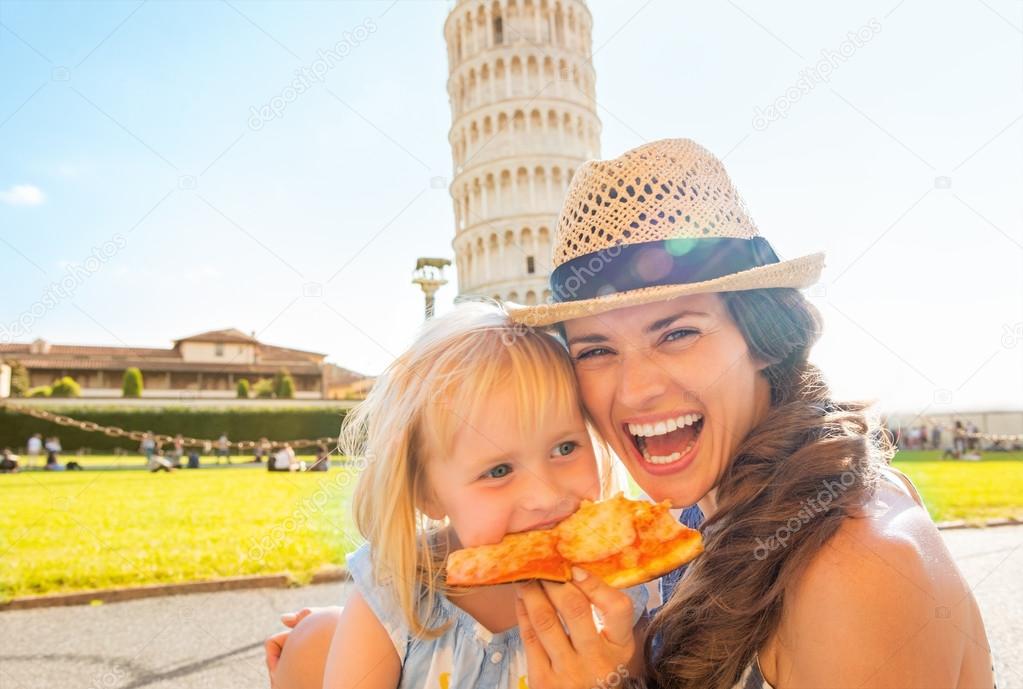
x=430, y=505
x=433, y=510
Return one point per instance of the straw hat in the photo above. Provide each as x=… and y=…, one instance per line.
x=661, y=221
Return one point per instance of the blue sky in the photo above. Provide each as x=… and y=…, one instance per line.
x=125, y=137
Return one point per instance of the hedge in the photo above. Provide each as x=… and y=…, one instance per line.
x=240, y=423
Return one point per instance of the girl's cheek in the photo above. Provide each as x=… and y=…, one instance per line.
x=481, y=523
x=585, y=478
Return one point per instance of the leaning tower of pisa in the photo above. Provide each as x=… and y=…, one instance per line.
x=523, y=113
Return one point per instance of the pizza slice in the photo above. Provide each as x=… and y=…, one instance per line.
x=625, y=542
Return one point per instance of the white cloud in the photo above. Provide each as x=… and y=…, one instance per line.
x=23, y=195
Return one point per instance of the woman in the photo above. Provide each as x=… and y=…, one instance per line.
x=690, y=341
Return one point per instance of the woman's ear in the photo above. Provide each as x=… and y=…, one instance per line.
x=760, y=363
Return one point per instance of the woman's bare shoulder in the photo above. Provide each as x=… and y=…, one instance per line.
x=893, y=543
x=882, y=601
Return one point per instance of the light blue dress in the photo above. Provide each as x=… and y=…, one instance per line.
x=467, y=655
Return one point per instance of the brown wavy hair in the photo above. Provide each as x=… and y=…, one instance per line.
x=809, y=464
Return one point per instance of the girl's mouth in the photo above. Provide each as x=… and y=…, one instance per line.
x=666, y=443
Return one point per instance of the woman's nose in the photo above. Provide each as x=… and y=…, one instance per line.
x=641, y=381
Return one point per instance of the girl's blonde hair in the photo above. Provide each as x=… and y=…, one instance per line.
x=410, y=416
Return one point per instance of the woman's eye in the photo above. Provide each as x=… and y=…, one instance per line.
x=566, y=448
x=591, y=353
x=500, y=471
x=680, y=334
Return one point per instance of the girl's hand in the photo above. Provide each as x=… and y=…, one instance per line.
x=585, y=657
x=274, y=646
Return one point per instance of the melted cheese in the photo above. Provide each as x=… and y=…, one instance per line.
x=597, y=530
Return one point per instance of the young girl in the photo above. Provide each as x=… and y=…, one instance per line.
x=474, y=433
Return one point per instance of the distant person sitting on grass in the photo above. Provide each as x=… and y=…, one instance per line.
x=157, y=462
x=193, y=458
x=52, y=464
x=8, y=461
x=284, y=459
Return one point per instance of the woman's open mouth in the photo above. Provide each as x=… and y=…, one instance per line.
x=667, y=442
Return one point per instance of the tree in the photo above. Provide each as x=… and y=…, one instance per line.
x=131, y=386
x=243, y=389
x=284, y=386
x=264, y=387
x=65, y=387
x=19, y=378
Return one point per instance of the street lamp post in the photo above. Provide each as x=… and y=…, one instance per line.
x=429, y=276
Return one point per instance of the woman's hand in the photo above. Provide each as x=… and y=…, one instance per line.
x=274, y=646
x=585, y=657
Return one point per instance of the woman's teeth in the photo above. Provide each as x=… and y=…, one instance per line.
x=673, y=457
x=646, y=430
x=643, y=431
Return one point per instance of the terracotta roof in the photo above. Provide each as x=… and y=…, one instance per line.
x=268, y=353
x=43, y=362
x=225, y=335
x=336, y=375
x=89, y=351
x=273, y=352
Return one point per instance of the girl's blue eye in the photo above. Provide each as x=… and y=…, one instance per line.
x=500, y=471
x=566, y=448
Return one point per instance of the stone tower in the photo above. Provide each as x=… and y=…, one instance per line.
x=523, y=113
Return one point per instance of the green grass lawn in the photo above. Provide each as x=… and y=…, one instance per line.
x=69, y=531
x=971, y=491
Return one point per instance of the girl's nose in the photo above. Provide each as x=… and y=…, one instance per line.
x=542, y=496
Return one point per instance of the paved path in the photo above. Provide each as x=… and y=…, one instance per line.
x=215, y=640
